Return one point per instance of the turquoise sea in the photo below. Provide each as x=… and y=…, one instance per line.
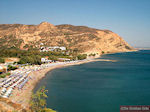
x=100, y=86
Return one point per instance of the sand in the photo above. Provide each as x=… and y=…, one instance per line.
x=23, y=96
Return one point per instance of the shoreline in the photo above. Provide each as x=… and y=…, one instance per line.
x=23, y=97
x=122, y=52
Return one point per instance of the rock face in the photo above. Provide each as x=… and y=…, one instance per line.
x=7, y=105
x=84, y=39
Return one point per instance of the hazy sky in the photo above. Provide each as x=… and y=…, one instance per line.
x=129, y=18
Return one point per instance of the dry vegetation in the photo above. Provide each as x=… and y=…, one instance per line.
x=87, y=40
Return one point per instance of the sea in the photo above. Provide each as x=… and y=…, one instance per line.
x=101, y=86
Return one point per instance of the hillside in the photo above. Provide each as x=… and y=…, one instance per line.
x=82, y=38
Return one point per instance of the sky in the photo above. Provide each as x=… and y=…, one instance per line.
x=128, y=18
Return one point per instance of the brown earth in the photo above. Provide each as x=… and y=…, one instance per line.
x=12, y=60
x=82, y=38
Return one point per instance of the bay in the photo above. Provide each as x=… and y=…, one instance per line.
x=100, y=86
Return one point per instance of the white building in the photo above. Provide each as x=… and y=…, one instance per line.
x=63, y=48
x=43, y=49
x=45, y=60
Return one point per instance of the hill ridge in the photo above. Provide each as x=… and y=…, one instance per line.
x=85, y=39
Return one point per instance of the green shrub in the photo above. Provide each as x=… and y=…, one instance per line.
x=92, y=54
x=2, y=60
x=4, y=75
x=54, y=58
x=33, y=59
x=38, y=101
x=103, y=52
x=82, y=56
x=11, y=67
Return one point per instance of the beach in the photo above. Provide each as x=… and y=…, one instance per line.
x=100, y=86
x=23, y=96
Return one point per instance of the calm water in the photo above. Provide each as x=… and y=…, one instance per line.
x=100, y=86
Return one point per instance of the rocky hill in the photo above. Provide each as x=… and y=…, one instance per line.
x=82, y=38
x=8, y=106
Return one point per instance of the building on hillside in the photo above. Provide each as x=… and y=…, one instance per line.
x=62, y=48
x=45, y=60
x=63, y=59
x=46, y=49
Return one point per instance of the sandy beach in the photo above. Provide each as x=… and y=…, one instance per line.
x=23, y=96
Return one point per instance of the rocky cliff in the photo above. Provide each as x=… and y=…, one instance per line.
x=84, y=39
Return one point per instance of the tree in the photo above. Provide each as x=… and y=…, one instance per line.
x=33, y=59
x=38, y=101
x=103, y=52
x=11, y=67
x=82, y=56
x=54, y=58
x=2, y=60
x=75, y=50
x=92, y=54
